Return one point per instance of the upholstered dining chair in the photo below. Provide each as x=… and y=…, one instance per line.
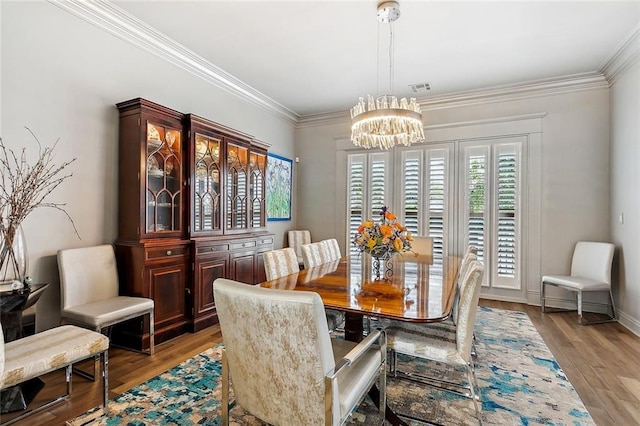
x=58, y=348
x=89, y=291
x=320, y=253
x=281, y=262
x=284, y=367
x=590, y=272
x=430, y=345
x=296, y=239
x=421, y=251
x=314, y=254
x=331, y=250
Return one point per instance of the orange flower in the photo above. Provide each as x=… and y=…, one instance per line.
x=398, y=226
x=360, y=229
x=389, y=216
x=397, y=243
x=386, y=230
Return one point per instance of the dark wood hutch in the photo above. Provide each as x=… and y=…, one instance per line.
x=192, y=208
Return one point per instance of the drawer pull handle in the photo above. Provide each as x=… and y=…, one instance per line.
x=169, y=252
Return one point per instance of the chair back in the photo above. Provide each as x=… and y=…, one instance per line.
x=277, y=364
x=87, y=275
x=331, y=250
x=421, y=251
x=469, y=257
x=469, y=297
x=297, y=239
x=278, y=263
x=593, y=260
x=314, y=254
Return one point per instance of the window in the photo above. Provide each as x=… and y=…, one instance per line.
x=459, y=193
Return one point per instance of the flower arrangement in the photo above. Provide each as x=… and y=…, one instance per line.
x=384, y=238
x=24, y=187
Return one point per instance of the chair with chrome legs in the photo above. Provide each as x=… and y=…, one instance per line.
x=590, y=272
x=89, y=293
x=284, y=367
x=429, y=345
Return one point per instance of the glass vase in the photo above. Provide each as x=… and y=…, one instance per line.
x=14, y=262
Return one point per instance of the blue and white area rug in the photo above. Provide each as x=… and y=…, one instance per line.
x=520, y=384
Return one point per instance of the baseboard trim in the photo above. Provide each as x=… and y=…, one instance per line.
x=630, y=323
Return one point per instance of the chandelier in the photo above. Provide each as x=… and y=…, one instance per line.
x=384, y=122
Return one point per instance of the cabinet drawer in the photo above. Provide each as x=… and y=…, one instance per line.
x=217, y=248
x=166, y=253
x=265, y=241
x=245, y=244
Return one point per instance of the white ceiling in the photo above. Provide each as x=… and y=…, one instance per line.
x=320, y=56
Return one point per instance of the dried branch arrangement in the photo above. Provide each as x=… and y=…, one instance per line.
x=25, y=187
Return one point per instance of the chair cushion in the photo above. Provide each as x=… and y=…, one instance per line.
x=576, y=283
x=109, y=311
x=48, y=351
x=355, y=381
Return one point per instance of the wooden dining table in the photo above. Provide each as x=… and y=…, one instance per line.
x=414, y=292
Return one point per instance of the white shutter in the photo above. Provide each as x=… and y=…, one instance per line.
x=355, y=202
x=368, y=190
x=411, y=191
x=506, y=248
x=437, y=201
x=476, y=195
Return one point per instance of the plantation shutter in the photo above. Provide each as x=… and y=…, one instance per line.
x=368, y=190
x=437, y=201
x=411, y=191
x=507, y=208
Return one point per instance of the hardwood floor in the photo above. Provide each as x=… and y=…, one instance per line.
x=601, y=362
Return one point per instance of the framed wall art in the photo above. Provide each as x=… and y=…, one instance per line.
x=279, y=187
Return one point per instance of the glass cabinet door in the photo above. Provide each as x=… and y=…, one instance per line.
x=257, y=167
x=163, y=178
x=237, y=186
x=207, y=198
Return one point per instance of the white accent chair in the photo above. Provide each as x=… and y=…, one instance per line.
x=296, y=240
x=421, y=251
x=290, y=372
x=54, y=349
x=430, y=344
x=278, y=263
x=590, y=272
x=89, y=293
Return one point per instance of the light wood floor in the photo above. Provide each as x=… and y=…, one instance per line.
x=601, y=361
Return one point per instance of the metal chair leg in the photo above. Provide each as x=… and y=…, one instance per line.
x=225, y=390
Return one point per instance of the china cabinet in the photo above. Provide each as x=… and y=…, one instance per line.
x=191, y=209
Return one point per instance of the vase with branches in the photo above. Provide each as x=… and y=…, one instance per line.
x=24, y=187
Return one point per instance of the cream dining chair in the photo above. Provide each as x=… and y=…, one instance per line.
x=296, y=239
x=323, y=252
x=290, y=372
x=89, y=292
x=590, y=272
x=421, y=251
x=281, y=262
x=430, y=345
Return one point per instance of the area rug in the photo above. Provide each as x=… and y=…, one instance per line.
x=520, y=384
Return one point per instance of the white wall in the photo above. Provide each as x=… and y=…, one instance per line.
x=625, y=193
x=574, y=172
x=61, y=77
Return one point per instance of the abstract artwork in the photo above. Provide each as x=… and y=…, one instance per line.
x=279, y=187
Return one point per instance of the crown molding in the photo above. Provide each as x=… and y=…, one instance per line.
x=625, y=55
x=503, y=93
x=125, y=26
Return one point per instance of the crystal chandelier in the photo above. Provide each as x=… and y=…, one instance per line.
x=384, y=122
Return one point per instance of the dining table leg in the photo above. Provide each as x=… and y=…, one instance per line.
x=354, y=332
